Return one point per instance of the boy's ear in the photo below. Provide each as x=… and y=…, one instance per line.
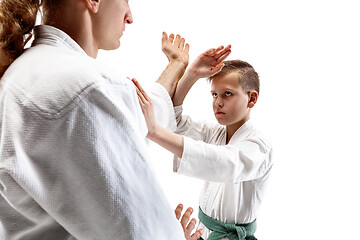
x=92, y=5
x=253, y=96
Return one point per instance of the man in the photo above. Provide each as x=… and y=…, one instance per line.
x=73, y=160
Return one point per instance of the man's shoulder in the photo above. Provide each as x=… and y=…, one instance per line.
x=50, y=79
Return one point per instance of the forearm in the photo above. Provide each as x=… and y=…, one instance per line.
x=168, y=140
x=171, y=75
x=246, y=160
x=184, y=86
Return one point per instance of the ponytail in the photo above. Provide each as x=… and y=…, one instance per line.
x=17, y=20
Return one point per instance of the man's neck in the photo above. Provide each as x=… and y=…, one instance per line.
x=77, y=26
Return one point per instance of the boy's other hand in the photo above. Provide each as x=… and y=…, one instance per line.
x=146, y=107
x=186, y=225
x=210, y=62
x=175, y=48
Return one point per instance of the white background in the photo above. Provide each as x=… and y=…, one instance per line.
x=307, y=55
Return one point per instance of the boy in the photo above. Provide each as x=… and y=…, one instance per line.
x=233, y=158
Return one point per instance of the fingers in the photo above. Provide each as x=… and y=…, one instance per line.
x=137, y=84
x=177, y=40
x=164, y=36
x=190, y=227
x=164, y=39
x=140, y=94
x=185, y=218
x=223, y=50
x=197, y=234
x=142, y=91
x=187, y=47
x=224, y=53
x=224, y=56
x=171, y=38
x=218, y=52
x=219, y=48
x=141, y=98
x=227, y=47
x=187, y=226
x=213, y=51
x=178, y=211
x=182, y=43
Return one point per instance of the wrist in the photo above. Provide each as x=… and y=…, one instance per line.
x=153, y=132
x=178, y=63
x=191, y=75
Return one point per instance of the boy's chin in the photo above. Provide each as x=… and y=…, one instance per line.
x=221, y=121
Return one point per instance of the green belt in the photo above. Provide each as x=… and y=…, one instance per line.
x=229, y=230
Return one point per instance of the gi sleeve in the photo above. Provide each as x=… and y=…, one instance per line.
x=163, y=106
x=200, y=130
x=247, y=160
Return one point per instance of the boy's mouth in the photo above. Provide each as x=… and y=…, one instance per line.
x=219, y=113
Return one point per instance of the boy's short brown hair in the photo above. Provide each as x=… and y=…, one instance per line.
x=249, y=78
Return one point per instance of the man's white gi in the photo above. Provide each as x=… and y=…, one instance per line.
x=73, y=156
x=235, y=174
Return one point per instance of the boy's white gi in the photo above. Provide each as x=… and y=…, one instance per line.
x=235, y=174
x=73, y=161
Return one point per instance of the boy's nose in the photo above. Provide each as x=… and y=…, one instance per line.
x=219, y=102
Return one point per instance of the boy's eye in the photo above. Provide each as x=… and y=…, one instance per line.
x=228, y=94
x=214, y=94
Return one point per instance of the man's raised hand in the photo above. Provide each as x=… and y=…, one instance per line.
x=175, y=48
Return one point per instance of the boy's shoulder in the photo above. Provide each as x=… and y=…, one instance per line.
x=253, y=133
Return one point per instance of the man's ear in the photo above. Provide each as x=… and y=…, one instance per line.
x=92, y=5
x=253, y=96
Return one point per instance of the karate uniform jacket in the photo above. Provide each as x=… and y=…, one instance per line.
x=73, y=156
x=235, y=174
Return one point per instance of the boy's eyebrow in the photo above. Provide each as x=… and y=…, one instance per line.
x=224, y=89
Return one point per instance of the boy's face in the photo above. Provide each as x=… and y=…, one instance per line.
x=230, y=102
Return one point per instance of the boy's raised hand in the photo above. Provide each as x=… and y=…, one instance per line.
x=175, y=48
x=210, y=62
